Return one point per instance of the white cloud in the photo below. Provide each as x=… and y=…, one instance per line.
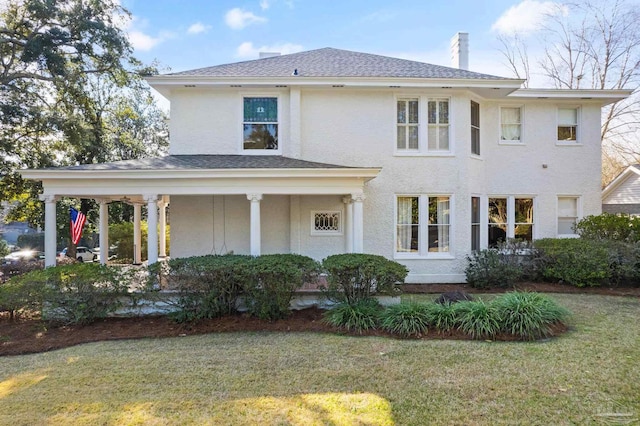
x=198, y=28
x=264, y=4
x=527, y=16
x=247, y=49
x=237, y=18
x=142, y=41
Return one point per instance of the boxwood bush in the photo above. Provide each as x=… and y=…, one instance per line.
x=352, y=277
x=275, y=278
x=72, y=294
x=575, y=261
x=206, y=286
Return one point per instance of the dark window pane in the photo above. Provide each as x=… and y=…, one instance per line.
x=260, y=136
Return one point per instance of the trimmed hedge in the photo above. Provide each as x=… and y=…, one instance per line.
x=352, y=277
x=276, y=277
x=72, y=294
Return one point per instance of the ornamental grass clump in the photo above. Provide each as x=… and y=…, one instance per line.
x=360, y=316
x=478, y=319
x=406, y=319
x=443, y=316
x=528, y=316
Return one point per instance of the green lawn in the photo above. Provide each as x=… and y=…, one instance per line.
x=589, y=376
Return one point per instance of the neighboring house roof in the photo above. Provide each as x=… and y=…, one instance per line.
x=625, y=188
x=205, y=162
x=330, y=62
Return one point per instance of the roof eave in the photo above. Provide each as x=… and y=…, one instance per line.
x=165, y=83
x=601, y=96
x=366, y=173
x=623, y=176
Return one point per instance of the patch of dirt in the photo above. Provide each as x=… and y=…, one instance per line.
x=30, y=335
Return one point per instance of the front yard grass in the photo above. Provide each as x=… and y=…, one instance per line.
x=590, y=375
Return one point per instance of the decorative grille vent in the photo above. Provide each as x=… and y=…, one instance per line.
x=326, y=223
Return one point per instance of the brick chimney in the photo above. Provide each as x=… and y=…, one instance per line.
x=460, y=51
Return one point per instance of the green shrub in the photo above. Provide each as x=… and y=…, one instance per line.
x=528, y=316
x=206, y=286
x=478, y=319
x=406, y=319
x=19, y=295
x=443, y=317
x=276, y=277
x=78, y=293
x=574, y=261
x=493, y=268
x=608, y=226
x=359, y=316
x=354, y=276
x=624, y=263
x=33, y=241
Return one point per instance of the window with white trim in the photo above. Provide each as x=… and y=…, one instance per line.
x=326, y=222
x=523, y=226
x=260, y=123
x=423, y=224
x=511, y=124
x=475, y=223
x=568, y=124
x=438, y=124
x=408, y=126
x=475, y=128
x=567, y=215
x=498, y=221
x=510, y=217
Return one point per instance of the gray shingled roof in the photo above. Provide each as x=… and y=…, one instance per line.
x=206, y=162
x=330, y=62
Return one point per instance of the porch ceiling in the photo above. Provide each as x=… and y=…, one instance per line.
x=201, y=174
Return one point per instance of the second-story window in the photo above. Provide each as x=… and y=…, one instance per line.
x=408, y=124
x=568, y=124
x=475, y=128
x=511, y=124
x=438, y=120
x=260, y=123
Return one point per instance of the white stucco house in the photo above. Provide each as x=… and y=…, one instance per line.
x=330, y=151
x=622, y=195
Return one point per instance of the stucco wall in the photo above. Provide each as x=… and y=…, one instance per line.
x=357, y=127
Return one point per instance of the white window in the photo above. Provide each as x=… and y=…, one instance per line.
x=567, y=215
x=438, y=124
x=510, y=217
x=475, y=223
x=423, y=225
x=326, y=223
x=260, y=123
x=568, y=124
x=408, y=116
x=511, y=124
x=475, y=128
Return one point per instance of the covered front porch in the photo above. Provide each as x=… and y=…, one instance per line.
x=276, y=192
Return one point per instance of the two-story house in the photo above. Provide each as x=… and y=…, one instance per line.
x=331, y=151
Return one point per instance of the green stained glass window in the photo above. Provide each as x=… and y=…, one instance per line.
x=260, y=110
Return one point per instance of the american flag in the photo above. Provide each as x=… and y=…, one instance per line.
x=77, y=222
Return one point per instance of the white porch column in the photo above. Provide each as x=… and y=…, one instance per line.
x=348, y=225
x=152, y=224
x=137, y=234
x=255, y=223
x=358, y=223
x=50, y=234
x=162, y=234
x=104, y=232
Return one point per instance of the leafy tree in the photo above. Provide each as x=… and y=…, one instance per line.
x=71, y=92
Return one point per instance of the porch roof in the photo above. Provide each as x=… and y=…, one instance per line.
x=201, y=174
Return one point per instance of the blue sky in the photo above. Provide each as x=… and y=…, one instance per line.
x=190, y=34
